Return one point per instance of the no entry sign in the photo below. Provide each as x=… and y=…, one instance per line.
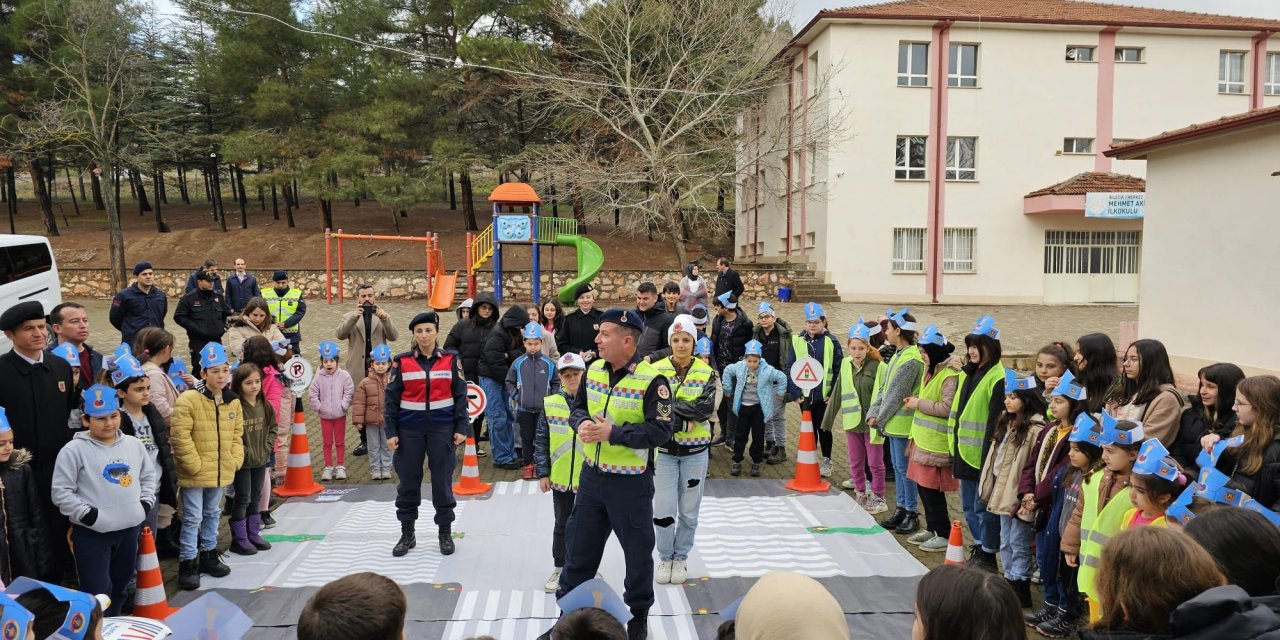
x=476, y=401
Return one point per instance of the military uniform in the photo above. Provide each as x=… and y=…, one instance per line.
x=287, y=308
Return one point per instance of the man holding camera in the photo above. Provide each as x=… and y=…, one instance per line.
x=364, y=329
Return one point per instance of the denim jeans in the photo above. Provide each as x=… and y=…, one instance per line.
x=201, y=509
x=501, y=437
x=984, y=526
x=674, y=498
x=1047, y=555
x=1015, y=548
x=906, y=494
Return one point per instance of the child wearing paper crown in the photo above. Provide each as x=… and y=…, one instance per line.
x=208, y=449
x=818, y=343
x=850, y=397
x=105, y=482
x=929, y=464
x=250, y=479
x=1155, y=484
x=890, y=415
x=24, y=544
x=530, y=379
x=366, y=412
x=55, y=611
x=1063, y=608
x=138, y=418
x=754, y=388
x=556, y=434
x=1103, y=502
x=330, y=394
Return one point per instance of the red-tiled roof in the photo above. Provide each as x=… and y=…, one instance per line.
x=1139, y=148
x=1092, y=182
x=1046, y=12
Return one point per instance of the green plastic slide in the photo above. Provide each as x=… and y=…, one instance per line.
x=590, y=259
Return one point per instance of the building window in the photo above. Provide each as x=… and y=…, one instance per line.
x=1272, y=77
x=910, y=158
x=1077, y=145
x=813, y=69
x=908, y=250
x=811, y=162
x=1079, y=54
x=1231, y=72
x=1092, y=252
x=962, y=67
x=962, y=158
x=1129, y=54
x=913, y=64
x=957, y=250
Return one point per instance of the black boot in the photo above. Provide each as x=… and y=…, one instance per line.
x=363, y=448
x=1061, y=626
x=211, y=564
x=638, y=625
x=894, y=520
x=778, y=455
x=909, y=523
x=167, y=542
x=1041, y=615
x=446, y=541
x=189, y=575
x=407, y=540
x=1023, y=590
x=982, y=560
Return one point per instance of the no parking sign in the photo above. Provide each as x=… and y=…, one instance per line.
x=476, y=401
x=299, y=373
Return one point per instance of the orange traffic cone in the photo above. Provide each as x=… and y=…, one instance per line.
x=469, y=482
x=807, y=479
x=298, y=480
x=955, y=544
x=149, y=601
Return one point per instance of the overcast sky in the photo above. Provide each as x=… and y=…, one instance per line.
x=803, y=10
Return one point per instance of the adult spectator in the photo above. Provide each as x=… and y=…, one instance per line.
x=578, y=334
x=203, y=313
x=504, y=344
x=729, y=280
x=254, y=320
x=1147, y=393
x=71, y=325
x=656, y=320
x=242, y=287
x=140, y=305
x=364, y=328
x=693, y=288
x=287, y=308
x=730, y=333
x=210, y=266
x=1244, y=544
x=1212, y=410
x=1254, y=466
x=38, y=395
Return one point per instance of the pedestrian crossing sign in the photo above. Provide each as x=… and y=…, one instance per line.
x=807, y=373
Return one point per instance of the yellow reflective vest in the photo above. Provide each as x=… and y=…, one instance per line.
x=689, y=433
x=622, y=403
x=565, y=449
x=967, y=430
x=283, y=307
x=851, y=402
x=1096, y=528
x=932, y=433
x=900, y=424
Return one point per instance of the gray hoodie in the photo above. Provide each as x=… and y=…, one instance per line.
x=103, y=486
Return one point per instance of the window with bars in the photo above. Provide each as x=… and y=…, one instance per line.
x=958, y=250
x=962, y=158
x=913, y=64
x=910, y=158
x=962, y=66
x=1271, y=75
x=1129, y=54
x=1231, y=72
x=1092, y=252
x=1077, y=145
x=908, y=250
x=1079, y=54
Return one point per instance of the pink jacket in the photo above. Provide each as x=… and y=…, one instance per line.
x=331, y=394
x=272, y=390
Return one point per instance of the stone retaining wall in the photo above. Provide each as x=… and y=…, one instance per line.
x=611, y=286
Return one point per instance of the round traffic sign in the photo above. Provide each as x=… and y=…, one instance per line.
x=476, y=401
x=299, y=373
x=807, y=373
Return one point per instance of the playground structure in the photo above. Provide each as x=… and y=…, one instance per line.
x=440, y=285
x=525, y=226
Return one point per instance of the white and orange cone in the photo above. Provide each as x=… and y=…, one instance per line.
x=807, y=479
x=469, y=481
x=149, y=601
x=955, y=544
x=298, y=479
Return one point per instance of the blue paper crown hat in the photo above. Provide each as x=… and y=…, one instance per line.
x=122, y=350
x=702, y=347
x=1013, y=383
x=931, y=335
x=1085, y=430
x=1067, y=386
x=15, y=621
x=381, y=353
x=125, y=368
x=532, y=331
x=213, y=355
x=862, y=332
x=100, y=400
x=900, y=318
x=986, y=326
x=813, y=311
x=765, y=307
x=68, y=352
x=726, y=300
x=753, y=348
x=81, y=605
x=1180, y=509
x=329, y=350
x=598, y=594
x=1112, y=433
x=4, y=422
x=1153, y=460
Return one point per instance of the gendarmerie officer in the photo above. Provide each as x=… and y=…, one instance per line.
x=425, y=419
x=624, y=414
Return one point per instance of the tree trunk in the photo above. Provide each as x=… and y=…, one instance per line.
x=326, y=213
x=468, y=205
x=71, y=189
x=579, y=212
x=453, y=195
x=133, y=188
x=208, y=185
x=95, y=181
x=244, y=201
x=162, y=194
x=139, y=190
x=80, y=179
x=4, y=188
x=51, y=176
x=119, y=279
x=296, y=194
x=182, y=184
x=40, y=184
x=161, y=227
x=11, y=180
x=675, y=226
x=275, y=204
x=288, y=204
x=215, y=187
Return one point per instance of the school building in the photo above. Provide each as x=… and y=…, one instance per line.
x=955, y=150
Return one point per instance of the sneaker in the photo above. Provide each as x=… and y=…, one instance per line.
x=340, y=472
x=875, y=504
x=361, y=450
x=824, y=467
x=267, y=521
x=663, y=576
x=1060, y=626
x=1043, y=614
x=778, y=455
x=735, y=469
x=755, y=469
x=921, y=537
x=326, y=473
x=679, y=572
x=553, y=583
x=480, y=453
x=848, y=484
x=934, y=544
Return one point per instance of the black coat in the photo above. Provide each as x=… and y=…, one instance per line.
x=1263, y=486
x=729, y=281
x=656, y=321
x=204, y=315
x=467, y=337
x=1192, y=426
x=1217, y=614
x=167, y=493
x=26, y=537
x=578, y=332
x=38, y=400
x=132, y=311
x=240, y=293
x=193, y=286
x=738, y=340
x=504, y=344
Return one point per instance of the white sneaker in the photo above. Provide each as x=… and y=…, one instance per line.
x=848, y=484
x=824, y=467
x=340, y=472
x=664, y=572
x=679, y=572
x=327, y=473
x=921, y=537
x=553, y=582
x=875, y=504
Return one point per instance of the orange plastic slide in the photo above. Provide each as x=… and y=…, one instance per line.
x=446, y=287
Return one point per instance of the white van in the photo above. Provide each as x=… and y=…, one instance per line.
x=27, y=272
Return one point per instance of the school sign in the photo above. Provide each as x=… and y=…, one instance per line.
x=1117, y=206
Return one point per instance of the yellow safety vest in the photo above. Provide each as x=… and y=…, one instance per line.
x=566, y=450
x=283, y=307
x=850, y=403
x=931, y=433
x=969, y=428
x=1097, y=528
x=1162, y=522
x=801, y=349
x=900, y=424
x=622, y=403
x=697, y=378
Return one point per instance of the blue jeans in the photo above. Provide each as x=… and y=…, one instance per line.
x=984, y=526
x=1015, y=548
x=501, y=438
x=678, y=482
x=1047, y=554
x=201, y=509
x=907, y=493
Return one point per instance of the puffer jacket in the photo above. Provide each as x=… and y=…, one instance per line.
x=25, y=539
x=468, y=337
x=330, y=394
x=504, y=344
x=241, y=330
x=999, y=487
x=366, y=409
x=770, y=385
x=207, y=438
